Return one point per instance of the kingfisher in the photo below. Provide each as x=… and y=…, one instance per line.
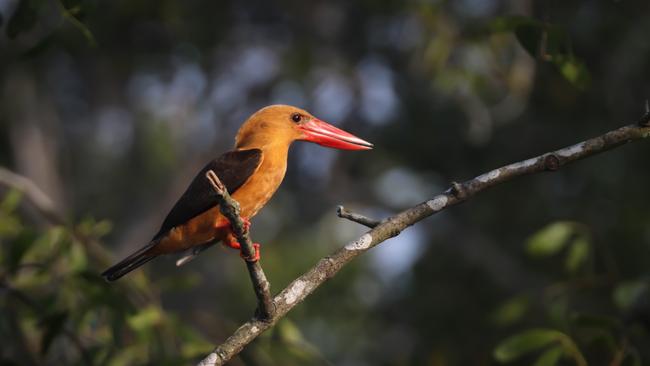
x=251, y=173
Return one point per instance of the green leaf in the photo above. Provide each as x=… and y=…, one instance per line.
x=77, y=260
x=550, y=357
x=526, y=342
x=92, y=228
x=295, y=343
x=547, y=42
x=289, y=332
x=194, y=344
x=578, y=254
x=146, y=318
x=550, y=240
x=10, y=225
x=131, y=355
x=11, y=201
x=628, y=292
x=102, y=228
x=573, y=70
x=510, y=311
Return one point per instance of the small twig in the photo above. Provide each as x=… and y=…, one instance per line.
x=343, y=213
x=230, y=209
x=327, y=267
x=35, y=195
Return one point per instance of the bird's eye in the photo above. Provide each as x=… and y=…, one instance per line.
x=296, y=117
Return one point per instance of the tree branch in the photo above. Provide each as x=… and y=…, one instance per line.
x=343, y=213
x=35, y=195
x=327, y=267
x=230, y=209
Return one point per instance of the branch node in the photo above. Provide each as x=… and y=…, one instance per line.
x=551, y=162
x=265, y=316
x=394, y=232
x=339, y=211
x=330, y=270
x=458, y=190
x=222, y=354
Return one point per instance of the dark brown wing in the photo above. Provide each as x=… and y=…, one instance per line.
x=233, y=169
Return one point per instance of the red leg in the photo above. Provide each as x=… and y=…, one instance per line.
x=225, y=224
x=222, y=224
x=256, y=255
x=231, y=242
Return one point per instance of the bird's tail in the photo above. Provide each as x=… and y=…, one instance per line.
x=129, y=263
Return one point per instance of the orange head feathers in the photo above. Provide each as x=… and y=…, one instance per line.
x=282, y=124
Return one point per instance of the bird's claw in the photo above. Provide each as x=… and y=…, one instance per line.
x=255, y=257
x=247, y=224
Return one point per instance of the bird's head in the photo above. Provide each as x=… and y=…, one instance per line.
x=283, y=124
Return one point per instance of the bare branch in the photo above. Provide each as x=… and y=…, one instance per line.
x=327, y=267
x=343, y=213
x=35, y=195
x=230, y=209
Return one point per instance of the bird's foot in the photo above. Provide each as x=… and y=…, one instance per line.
x=222, y=224
x=255, y=257
x=232, y=244
x=225, y=224
x=235, y=245
x=247, y=223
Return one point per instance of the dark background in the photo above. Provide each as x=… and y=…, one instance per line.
x=111, y=107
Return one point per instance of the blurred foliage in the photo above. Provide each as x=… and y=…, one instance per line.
x=547, y=42
x=610, y=331
x=57, y=310
x=28, y=12
x=558, y=235
x=111, y=107
x=534, y=339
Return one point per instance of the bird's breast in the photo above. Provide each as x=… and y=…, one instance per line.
x=261, y=186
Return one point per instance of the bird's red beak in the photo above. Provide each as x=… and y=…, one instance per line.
x=325, y=134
